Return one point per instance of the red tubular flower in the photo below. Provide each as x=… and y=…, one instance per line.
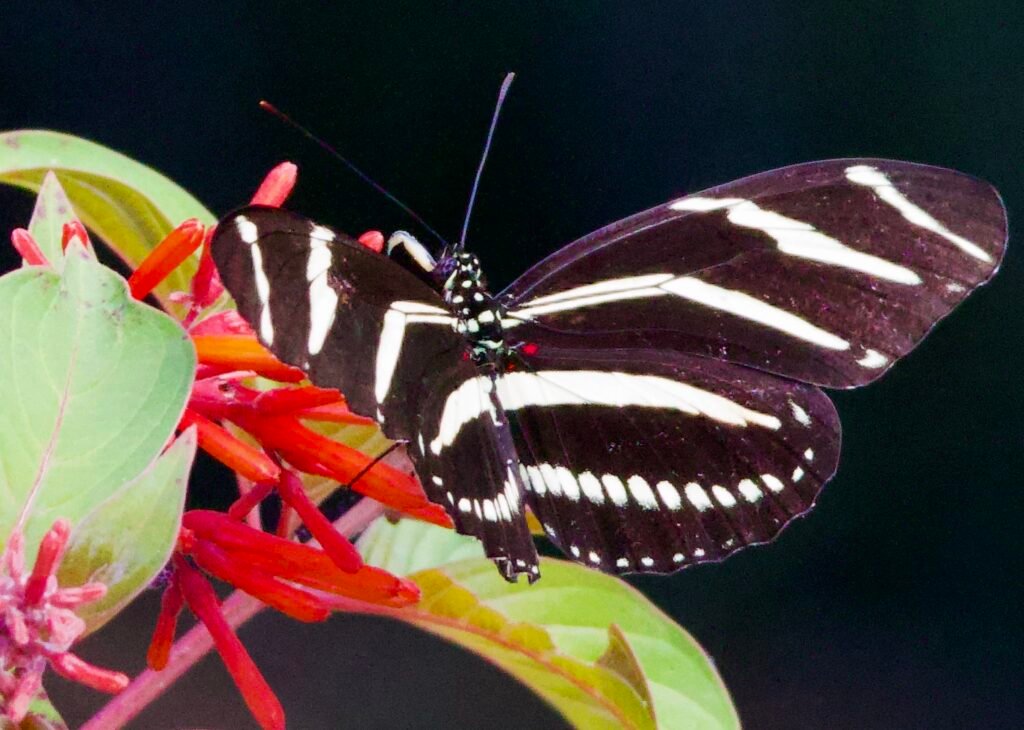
x=339, y=549
x=177, y=246
x=279, y=595
x=202, y=601
x=334, y=413
x=292, y=561
x=248, y=461
x=250, y=500
x=316, y=454
x=230, y=352
x=281, y=401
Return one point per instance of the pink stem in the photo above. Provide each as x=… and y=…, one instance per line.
x=194, y=645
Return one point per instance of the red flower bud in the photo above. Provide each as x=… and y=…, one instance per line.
x=76, y=669
x=51, y=549
x=27, y=247
x=373, y=240
x=276, y=186
x=72, y=230
x=166, y=624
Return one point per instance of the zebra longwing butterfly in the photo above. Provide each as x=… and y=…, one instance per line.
x=651, y=392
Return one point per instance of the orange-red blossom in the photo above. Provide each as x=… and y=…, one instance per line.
x=293, y=578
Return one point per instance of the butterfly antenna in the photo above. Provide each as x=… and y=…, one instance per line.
x=377, y=459
x=483, y=158
x=268, y=107
x=336, y=505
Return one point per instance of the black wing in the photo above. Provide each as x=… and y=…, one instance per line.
x=649, y=460
x=352, y=319
x=359, y=322
x=825, y=272
x=473, y=470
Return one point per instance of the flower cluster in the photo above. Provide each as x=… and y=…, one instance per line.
x=41, y=625
x=296, y=579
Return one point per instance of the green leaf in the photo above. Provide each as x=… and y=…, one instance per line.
x=52, y=211
x=92, y=385
x=588, y=643
x=588, y=694
x=131, y=207
x=126, y=539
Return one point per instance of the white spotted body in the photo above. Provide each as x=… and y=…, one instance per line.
x=478, y=315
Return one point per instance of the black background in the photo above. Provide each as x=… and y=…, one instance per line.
x=897, y=603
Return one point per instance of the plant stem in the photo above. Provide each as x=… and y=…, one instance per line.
x=194, y=645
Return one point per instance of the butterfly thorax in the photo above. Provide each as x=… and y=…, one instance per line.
x=478, y=314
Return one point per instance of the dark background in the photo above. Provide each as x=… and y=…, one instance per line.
x=897, y=603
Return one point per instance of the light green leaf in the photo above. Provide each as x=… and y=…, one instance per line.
x=92, y=384
x=126, y=539
x=52, y=211
x=131, y=207
x=576, y=637
x=410, y=546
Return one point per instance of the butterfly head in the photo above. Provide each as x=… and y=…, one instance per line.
x=462, y=280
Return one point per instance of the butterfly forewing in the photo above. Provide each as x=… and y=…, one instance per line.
x=356, y=321
x=351, y=319
x=825, y=272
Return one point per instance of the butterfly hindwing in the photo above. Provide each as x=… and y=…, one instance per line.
x=471, y=466
x=650, y=460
